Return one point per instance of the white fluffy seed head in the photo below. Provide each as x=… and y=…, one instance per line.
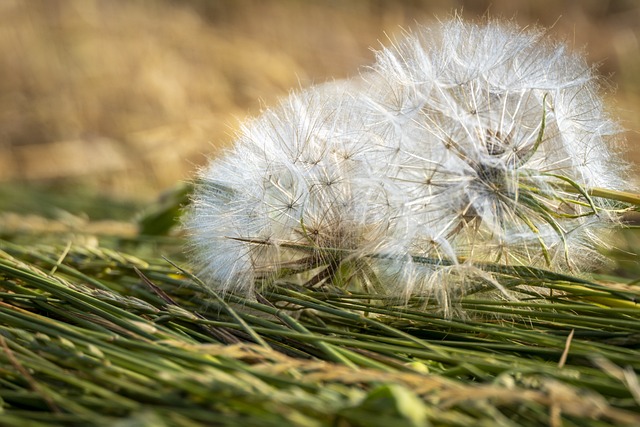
x=463, y=143
x=483, y=119
x=298, y=185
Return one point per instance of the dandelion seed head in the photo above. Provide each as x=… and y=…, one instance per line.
x=463, y=144
x=295, y=184
x=496, y=112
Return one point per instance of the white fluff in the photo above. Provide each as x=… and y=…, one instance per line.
x=448, y=148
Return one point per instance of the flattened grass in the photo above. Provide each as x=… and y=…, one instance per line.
x=96, y=336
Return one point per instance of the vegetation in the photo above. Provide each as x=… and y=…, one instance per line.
x=102, y=321
x=114, y=334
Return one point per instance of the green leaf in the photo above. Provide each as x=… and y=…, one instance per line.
x=389, y=405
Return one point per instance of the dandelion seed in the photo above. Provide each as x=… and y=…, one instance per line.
x=296, y=190
x=463, y=144
x=493, y=120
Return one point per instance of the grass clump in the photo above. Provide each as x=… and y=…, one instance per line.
x=99, y=336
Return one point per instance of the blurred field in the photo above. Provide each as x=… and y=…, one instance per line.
x=127, y=98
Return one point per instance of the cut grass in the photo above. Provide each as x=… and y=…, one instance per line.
x=95, y=336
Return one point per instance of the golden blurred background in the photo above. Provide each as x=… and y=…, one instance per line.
x=126, y=98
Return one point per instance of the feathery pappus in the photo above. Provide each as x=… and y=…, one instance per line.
x=462, y=144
